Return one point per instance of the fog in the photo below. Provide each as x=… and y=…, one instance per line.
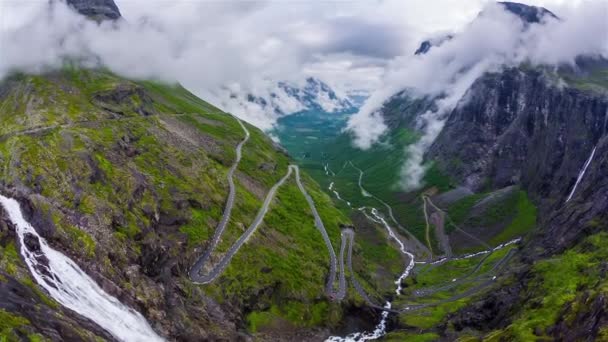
x=494, y=39
x=220, y=49
x=216, y=49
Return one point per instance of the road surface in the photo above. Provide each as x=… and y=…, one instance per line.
x=219, y=230
x=347, y=239
x=419, y=245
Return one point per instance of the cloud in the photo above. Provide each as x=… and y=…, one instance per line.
x=215, y=48
x=493, y=39
x=209, y=47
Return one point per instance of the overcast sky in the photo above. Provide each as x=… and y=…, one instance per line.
x=221, y=48
x=347, y=43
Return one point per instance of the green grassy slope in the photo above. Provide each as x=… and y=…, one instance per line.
x=130, y=180
x=562, y=290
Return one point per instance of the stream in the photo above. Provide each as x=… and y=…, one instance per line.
x=69, y=285
x=380, y=329
x=581, y=174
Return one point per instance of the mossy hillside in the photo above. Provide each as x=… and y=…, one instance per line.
x=125, y=172
x=290, y=284
x=595, y=79
x=441, y=277
x=561, y=288
x=11, y=326
x=134, y=183
x=505, y=218
x=425, y=276
x=400, y=336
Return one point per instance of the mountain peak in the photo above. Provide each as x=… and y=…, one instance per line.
x=527, y=13
x=96, y=9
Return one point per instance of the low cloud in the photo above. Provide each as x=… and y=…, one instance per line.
x=494, y=39
x=213, y=48
x=217, y=49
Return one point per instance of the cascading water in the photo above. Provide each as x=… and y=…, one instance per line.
x=392, y=234
x=581, y=174
x=71, y=287
x=380, y=329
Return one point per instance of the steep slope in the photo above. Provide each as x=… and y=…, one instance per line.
x=96, y=9
x=522, y=127
x=544, y=130
x=129, y=180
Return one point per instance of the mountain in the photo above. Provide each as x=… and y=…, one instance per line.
x=522, y=154
x=313, y=95
x=543, y=132
x=122, y=184
x=426, y=45
x=546, y=133
x=96, y=9
x=129, y=180
x=527, y=14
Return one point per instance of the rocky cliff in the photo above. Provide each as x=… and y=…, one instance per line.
x=129, y=180
x=527, y=14
x=97, y=9
x=546, y=131
x=522, y=126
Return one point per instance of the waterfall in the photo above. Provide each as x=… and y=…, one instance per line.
x=581, y=174
x=69, y=285
x=380, y=329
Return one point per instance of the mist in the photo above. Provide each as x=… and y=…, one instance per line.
x=223, y=51
x=493, y=40
x=215, y=49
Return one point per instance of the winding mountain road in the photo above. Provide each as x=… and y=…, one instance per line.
x=219, y=230
x=195, y=273
x=419, y=245
x=347, y=239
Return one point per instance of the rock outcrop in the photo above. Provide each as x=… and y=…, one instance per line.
x=96, y=9
x=520, y=127
x=528, y=14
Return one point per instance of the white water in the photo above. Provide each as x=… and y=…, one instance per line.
x=328, y=171
x=392, y=234
x=331, y=188
x=71, y=287
x=380, y=329
x=581, y=174
x=378, y=332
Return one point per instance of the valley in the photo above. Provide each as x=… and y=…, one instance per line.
x=454, y=193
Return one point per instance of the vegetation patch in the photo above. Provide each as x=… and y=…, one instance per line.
x=559, y=283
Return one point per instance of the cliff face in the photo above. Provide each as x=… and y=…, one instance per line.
x=520, y=127
x=527, y=14
x=546, y=131
x=129, y=180
x=97, y=9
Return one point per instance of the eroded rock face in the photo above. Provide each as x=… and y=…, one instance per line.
x=97, y=9
x=529, y=14
x=519, y=127
x=528, y=127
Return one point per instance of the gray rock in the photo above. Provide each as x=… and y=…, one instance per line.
x=96, y=9
x=518, y=127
